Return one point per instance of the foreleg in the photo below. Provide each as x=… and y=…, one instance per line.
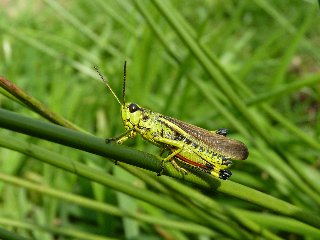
x=122, y=137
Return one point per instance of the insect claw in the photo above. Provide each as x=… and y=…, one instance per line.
x=109, y=140
x=178, y=168
x=222, y=131
x=161, y=169
x=161, y=152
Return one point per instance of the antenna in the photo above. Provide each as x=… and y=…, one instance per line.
x=124, y=83
x=105, y=82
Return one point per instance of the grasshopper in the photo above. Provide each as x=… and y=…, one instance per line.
x=208, y=151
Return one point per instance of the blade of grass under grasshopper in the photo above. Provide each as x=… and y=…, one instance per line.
x=95, y=145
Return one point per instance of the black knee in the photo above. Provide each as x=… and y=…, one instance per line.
x=222, y=131
x=225, y=174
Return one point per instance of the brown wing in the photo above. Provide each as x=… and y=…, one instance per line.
x=221, y=144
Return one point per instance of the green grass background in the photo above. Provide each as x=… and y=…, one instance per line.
x=249, y=66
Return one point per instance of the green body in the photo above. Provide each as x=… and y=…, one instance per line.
x=194, y=146
x=191, y=145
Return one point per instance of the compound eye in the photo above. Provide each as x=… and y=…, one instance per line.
x=133, y=107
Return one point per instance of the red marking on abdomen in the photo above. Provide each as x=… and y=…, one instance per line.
x=191, y=162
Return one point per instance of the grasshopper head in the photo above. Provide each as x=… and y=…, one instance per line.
x=133, y=115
